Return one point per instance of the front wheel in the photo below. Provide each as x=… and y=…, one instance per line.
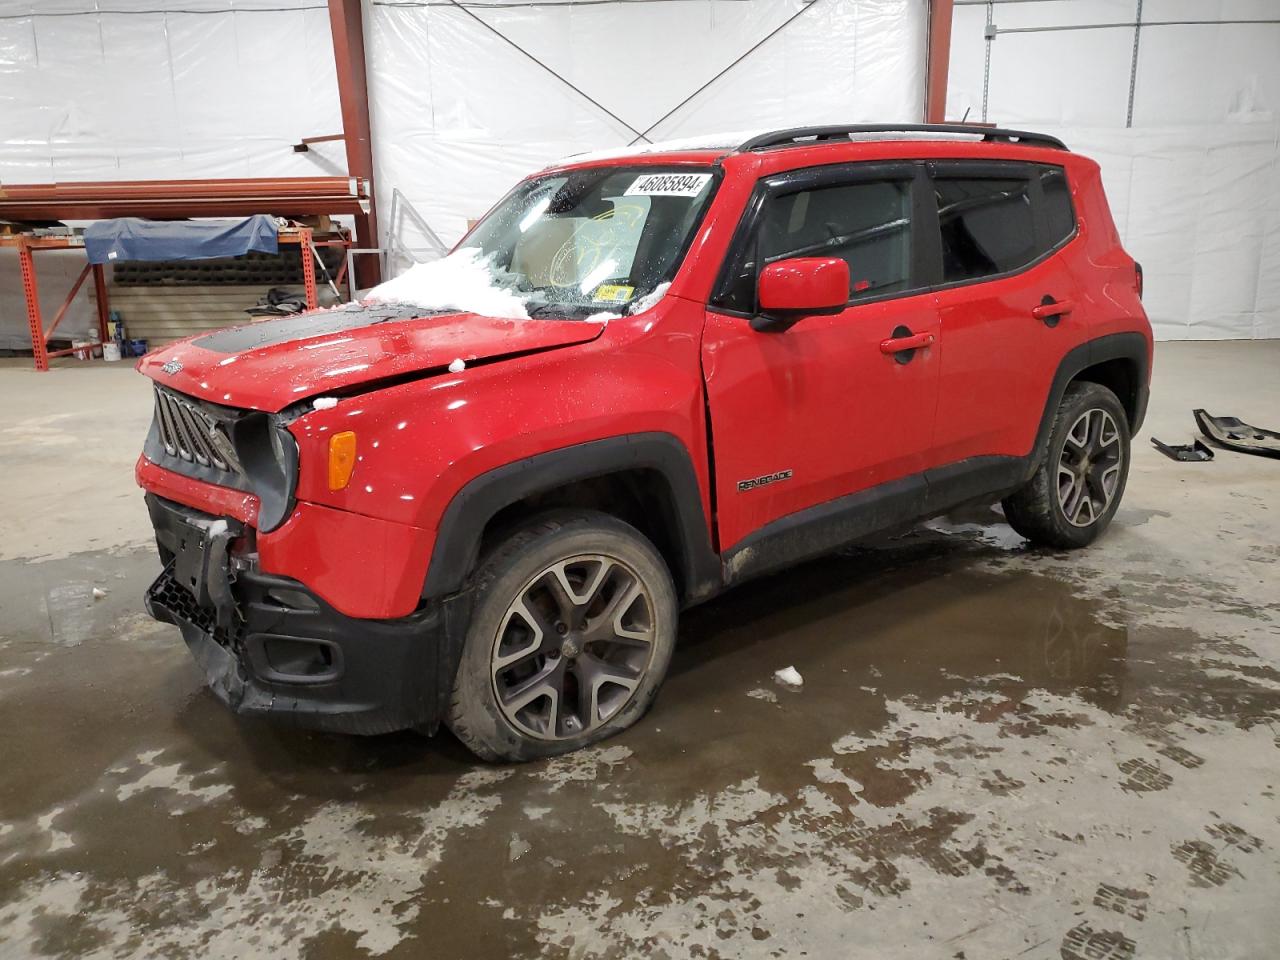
x=572, y=629
x=1076, y=489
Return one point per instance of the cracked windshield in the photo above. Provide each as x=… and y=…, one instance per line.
x=593, y=241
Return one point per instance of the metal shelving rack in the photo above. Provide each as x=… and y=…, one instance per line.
x=27, y=245
x=163, y=199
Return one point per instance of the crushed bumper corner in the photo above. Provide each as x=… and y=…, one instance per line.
x=270, y=647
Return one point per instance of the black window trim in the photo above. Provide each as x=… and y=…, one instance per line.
x=1042, y=207
x=1000, y=170
x=923, y=246
x=926, y=250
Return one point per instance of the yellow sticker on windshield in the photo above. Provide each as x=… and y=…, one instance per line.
x=612, y=293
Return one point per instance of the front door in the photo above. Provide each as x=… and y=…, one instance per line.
x=826, y=408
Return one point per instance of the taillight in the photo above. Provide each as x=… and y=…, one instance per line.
x=1137, y=278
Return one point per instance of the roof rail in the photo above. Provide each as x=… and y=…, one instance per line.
x=799, y=135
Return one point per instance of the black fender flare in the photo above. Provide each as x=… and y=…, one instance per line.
x=457, y=543
x=1130, y=346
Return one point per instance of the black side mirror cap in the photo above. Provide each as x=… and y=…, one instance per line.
x=773, y=322
x=779, y=321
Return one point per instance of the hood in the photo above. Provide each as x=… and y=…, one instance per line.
x=271, y=364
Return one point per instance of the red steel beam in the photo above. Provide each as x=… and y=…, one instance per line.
x=308, y=269
x=347, y=27
x=282, y=196
x=32, y=293
x=935, y=98
x=182, y=188
x=66, y=304
x=303, y=145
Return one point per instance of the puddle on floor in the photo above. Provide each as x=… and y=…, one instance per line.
x=989, y=753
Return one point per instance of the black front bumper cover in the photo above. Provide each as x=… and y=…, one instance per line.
x=268, y=646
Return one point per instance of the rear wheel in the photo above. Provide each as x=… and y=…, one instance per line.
x=571, y=633
x=1075, y=492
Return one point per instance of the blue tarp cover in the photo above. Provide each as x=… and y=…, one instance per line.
x=132, y=238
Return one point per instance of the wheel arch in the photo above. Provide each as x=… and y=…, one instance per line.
x=1121, y=376
x=648, y=479
x=1119, y=362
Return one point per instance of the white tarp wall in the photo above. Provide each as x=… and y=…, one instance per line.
x=467, y=100
x=1190, y=158
x=165, y=89
x=155, y=89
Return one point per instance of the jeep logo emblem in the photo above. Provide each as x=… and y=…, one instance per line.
x=172, y=366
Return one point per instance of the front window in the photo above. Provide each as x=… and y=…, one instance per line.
x=867, y=224
x=593, y=240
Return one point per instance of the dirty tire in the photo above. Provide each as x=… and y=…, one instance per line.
x=1036, y=511
x=514, y=644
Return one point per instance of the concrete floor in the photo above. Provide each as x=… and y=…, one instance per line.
x=996, y=752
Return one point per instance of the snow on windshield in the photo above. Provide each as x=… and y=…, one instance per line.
x=465, y=280
x=651, y=299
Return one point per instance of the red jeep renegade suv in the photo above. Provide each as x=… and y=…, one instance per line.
x=485, y=503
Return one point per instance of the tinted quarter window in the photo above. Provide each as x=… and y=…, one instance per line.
x=987, y=226
x=868, y=225
x=1060, y=218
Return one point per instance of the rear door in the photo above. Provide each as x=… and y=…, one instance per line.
x=1005, y=302
x=819, y=411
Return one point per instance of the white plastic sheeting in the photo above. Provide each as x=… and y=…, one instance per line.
x=460, y=113
x=155, y=89
x=1195, y=182
x=165, y=89
x=175, y=89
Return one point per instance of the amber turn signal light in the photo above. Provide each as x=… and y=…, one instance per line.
x=342, y=459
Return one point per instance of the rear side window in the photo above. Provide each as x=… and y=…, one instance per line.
x=988, y=227
x=1059, y=217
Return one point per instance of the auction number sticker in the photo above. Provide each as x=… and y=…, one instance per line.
x=668, y=185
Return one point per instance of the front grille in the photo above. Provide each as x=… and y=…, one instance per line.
x=194, y=435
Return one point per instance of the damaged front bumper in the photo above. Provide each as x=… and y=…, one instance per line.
x=268, y=646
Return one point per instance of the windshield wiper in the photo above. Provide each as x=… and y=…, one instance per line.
x=566, y=308
x=539, y=308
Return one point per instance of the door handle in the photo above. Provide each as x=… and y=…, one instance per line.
x=898, y=344
x=1051, y=311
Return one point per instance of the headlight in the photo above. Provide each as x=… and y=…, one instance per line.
x=269, y=456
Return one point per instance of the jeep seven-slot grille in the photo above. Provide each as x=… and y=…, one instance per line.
x=193, y=435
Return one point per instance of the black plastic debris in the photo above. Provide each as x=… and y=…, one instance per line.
x=1192, y=452
x=1235, y=434
x=278, y=302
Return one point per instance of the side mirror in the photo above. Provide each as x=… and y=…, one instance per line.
x=801, y=287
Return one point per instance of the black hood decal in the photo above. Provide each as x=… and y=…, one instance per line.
x=270, y=333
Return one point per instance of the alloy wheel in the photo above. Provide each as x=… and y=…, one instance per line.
x=572, y=647
x=1089, y=467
